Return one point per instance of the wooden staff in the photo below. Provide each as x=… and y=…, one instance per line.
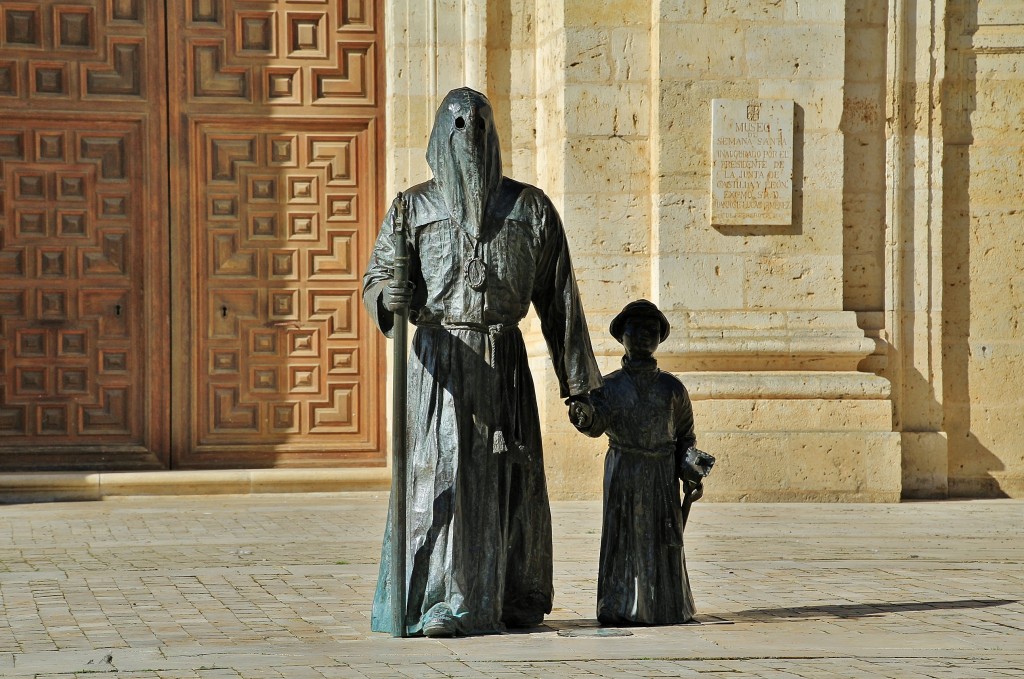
x=398, y=431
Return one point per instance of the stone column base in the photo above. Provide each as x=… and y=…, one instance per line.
x=777, y=436
x=797, y=436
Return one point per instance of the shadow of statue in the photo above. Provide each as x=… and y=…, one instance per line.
x=864, y=610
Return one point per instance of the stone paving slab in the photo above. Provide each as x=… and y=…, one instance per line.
x=279, y=586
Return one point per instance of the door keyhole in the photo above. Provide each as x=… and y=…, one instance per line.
x=224, y=312
x=117, y=310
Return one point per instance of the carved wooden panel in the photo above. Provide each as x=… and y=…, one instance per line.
x=274, y=119
x=56, y=52
x=279, y=117
x=279, y=230
x=75, y=359
x=287, y=53
x=83, y=232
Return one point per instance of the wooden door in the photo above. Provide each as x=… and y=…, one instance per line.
x=180, y=255
x=83, y=232
x=276, y=141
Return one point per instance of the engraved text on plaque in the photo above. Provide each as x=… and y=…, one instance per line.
x=752, y=162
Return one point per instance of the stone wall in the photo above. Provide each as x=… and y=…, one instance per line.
x=865, y=349
x=984, y=247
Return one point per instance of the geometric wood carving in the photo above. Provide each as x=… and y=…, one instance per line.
x=284, y=52
x=279, y=112
x=77, y=52
x=122, y=76
x=278, y=325
x=212, y=78
x=351, y=78
x=84, y=246
x=70, y=278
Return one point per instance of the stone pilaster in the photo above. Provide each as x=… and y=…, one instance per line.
x=592, y=122
x=914, y=243
x=762, y=334
x=983, y=240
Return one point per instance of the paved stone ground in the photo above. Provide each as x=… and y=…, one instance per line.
x=279, y=586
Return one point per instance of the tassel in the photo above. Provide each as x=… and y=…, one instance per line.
x=499, y=442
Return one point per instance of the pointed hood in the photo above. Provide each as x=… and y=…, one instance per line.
x=465, y=156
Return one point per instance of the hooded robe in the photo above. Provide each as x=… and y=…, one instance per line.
x=482, y=248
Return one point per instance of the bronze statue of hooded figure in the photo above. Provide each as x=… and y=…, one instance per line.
x=482, y=249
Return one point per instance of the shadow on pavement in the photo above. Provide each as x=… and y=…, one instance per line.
x=581, y=625
x=591, y=628
x=863, y=610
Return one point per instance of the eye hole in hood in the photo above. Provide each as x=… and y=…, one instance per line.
x=466, y=167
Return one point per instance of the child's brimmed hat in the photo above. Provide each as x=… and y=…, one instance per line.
x=640, y=307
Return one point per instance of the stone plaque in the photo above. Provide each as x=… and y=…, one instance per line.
x=751, y=162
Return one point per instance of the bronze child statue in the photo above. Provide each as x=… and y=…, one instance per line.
x=649, y=421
